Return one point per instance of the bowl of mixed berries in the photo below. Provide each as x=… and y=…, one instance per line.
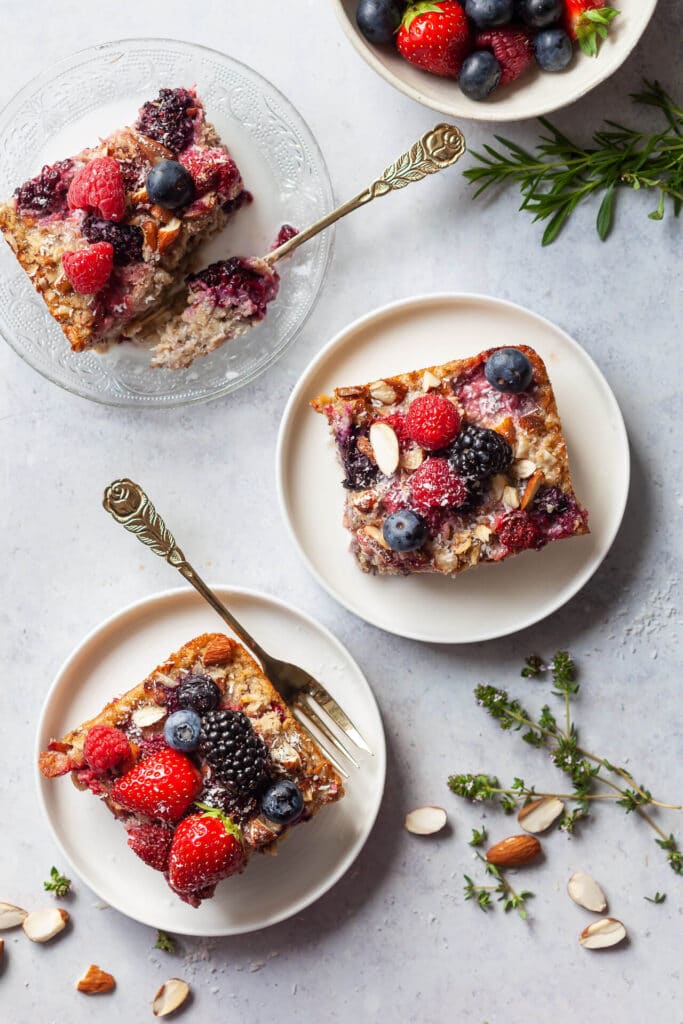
x=495, y=60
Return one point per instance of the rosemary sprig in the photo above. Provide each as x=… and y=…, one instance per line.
x=561, y=174
x=507, y=895
x=57, y=883
x=659, y=897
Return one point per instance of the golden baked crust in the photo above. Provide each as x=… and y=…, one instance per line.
x=530, y=423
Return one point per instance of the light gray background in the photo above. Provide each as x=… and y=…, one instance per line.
x=394, y=940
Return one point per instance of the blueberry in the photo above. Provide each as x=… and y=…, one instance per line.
x=404, y=531
x=282, y=802
x=199, y=693
x=170, y=185
x=182, y=730
x=508, y=369
x=553, y=49
x=540, y=13
x=489, y=13
x=378, y=20
x=479, y=75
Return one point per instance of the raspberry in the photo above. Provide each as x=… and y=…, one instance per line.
x=397, y=497
x=517, y=531
x=105, y=747
x=152, y=843
x=513, y=48
x=166, y=119
x=212, y=170
x=46, y=193
x=432, y=421
x=436, y=485
x=127, y=239
x=397, y=422
x=98, y=187
x=89, y=269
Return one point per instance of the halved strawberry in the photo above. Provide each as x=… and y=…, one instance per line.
x=436, y=37
x=162, y=786
x=588, y=22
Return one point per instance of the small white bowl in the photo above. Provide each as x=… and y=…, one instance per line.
x=534, y=94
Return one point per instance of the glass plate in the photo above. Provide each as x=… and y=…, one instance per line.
x=97, y=90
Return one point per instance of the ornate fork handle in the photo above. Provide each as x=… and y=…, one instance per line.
x=437, y=149
x=129, y=505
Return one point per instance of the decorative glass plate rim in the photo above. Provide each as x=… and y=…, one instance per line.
x=326, y=238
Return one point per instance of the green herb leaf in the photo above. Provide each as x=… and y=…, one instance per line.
x=479, y=836
x=658, y=897
x=164, y=942
x=57, y=883
x=605, y=219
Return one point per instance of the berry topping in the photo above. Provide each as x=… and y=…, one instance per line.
x=517, y=531
x=432, y=421
x=98, y=187
x=490, y=13
x=553, y=49
x=237, y=283
x=88, y=270
x=282, y=802
x=182, y=729
x=237, y=755
x=163, y=786
x=360, y=471
x=509, y=370
x=540, y=13
x=199, y=693
x=105, y=747
x=212, y=170
x=588, y=21
x=168, y=119
x=284, y=234
x=405, y=530
x=551, y=501
x=480, y=75
x=152, y=745
x=436, y=485
x=46, y=193
x=378, y=20
x=152, y=843
x=435, y=36
x=512, y=47
x=478, y=453
x=170, y=185
x=206, y=848
x=126, y=239
x=397, y=422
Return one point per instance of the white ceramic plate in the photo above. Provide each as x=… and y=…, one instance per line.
x=492, y=600
x=533, y=95
x=122, y=651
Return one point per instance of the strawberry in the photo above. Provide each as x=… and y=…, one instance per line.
x=513, y=48
x=588, y=21
x=88, y=270
x=435, y=37
x=163, y=786
x=206, y=848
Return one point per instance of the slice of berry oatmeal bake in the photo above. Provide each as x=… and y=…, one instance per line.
x=202, y=762
x=455, y=465
x=106, y=236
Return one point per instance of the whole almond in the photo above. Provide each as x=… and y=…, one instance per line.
x=540, y=814
x=585, y=891
x=514, y=851
x=602, y=934
x=219, y=651
x=95, y=981
x=43, y=925
x=11, y=916
x=170, y=996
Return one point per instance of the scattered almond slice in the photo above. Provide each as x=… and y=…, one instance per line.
x=482, y=532
x=385, y=446
x=602, y=934
x=510, y=497
x=383, y=393
x=585, y=891
x=425, y=821
x=150, y=714
x=532, y=486
x=43, y=925
x=540, y=814
x=11, y=916
x=170, y=996
x=498, y=483
x=522, y=469
x=429, y=381
x=376, y=534
x=95, y=981
x=412, y=458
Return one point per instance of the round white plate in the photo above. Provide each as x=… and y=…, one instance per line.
x=534, y=94
x=116, y=656
x=492, y=600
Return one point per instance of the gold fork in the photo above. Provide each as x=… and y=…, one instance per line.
x=130, y=506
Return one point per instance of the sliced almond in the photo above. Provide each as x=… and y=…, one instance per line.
x=383, y=393
x=510, y=496
x=532, y=486
x=425, y=821
x=385, y=446
x=150, y=234
x=375, y=534
x=429, y=381
x=482, y=532
x=603, y=933
x=411, y=459
x=540, y=814
x=585, y=891
x=514, y=851
x=364, y=501
x=43, y=925
x=11, y=916
x=149, y=714
x=507, y=428
x=168, y=234
x=170, y=996
x=365, y=448
x=138, y=197
x=165, y=216
x=219, y=651
x=522, y=469
x=356, y=392
x=462, y=543
x=95, y=981
x=498, y=484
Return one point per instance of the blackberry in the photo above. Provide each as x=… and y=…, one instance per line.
x=199, y=693
x=127, y=239
x=552, y=501
x=166, y=119
x=478, y=453
x=46, y=193
x=238, y=756
x=360, y=471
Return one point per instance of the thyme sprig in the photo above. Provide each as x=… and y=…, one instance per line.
x=165, y=942
x=507, y=895
x=561, y=174
x=57, y=883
